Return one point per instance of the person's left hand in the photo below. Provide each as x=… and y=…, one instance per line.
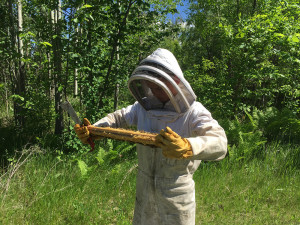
x=173, y=145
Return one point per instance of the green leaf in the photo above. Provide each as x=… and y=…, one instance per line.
x=100, y=155
x=279, y=35
x=29, y=105
x=27, y=34
x=240, y=34
x=74, y=55
x=83, y=167
x=25, y=60
x=297, y=61
x=45, y=43
x=86, y=6
x=30, y=33
x=60, y=88
x=295, y=39
x=17, y=97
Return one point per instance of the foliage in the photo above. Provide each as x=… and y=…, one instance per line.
x=240, y=57
x=72, y=49
x=282, y=125
x=245, y=59
x=249, y=137
x=246, y=141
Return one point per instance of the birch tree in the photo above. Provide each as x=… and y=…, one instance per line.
x=56, y=17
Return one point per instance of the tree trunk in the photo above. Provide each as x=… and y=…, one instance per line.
x=116, y=94
x=122, y=26
x=19, y=75
x=12, y=63
x=57, y=60
x=6, y=95
x=76, y=70
x=89, y=48
x=253, y=7
x=237, y=9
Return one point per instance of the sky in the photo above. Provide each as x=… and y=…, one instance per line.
x=182, y=11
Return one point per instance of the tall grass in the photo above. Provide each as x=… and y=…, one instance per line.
x=252, y=194
x=46, y=190
x=41, y=188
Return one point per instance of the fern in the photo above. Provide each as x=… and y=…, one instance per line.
x=100, y=156
x=83, y=167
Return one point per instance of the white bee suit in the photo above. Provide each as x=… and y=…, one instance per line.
x=165, y=190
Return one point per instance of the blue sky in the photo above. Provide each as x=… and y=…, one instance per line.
x=182, y=11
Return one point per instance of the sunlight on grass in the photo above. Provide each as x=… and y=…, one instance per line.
x=41, y=189
x=48, y=191
x=246, y=195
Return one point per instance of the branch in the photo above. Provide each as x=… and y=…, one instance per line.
x=112, y=55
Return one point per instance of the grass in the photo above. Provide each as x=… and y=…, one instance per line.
x=46, y=190
x=247, y=195
x=42, y=189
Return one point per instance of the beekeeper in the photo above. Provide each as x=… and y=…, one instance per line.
x=166, y=104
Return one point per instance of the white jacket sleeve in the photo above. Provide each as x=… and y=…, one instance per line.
x=208, y=141
x=119, y=119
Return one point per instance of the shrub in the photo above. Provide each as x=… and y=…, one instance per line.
x=283, y=125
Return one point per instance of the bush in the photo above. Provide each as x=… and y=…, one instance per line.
x=247, y=137
x=283, y=125
x=245, y=140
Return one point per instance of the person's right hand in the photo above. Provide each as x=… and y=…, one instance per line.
x=82, y=131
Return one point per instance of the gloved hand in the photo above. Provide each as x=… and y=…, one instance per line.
x=82, y=132
x=173, y=145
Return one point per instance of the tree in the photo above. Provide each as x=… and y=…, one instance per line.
x=56, y=19
x=248, y=59
x=51, y=48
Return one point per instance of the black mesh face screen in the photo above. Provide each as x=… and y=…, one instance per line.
x=150, y=94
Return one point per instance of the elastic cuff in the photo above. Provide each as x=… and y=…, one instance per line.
x=196, y=145
x=189, y=152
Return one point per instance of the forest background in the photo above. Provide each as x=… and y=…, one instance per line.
x=241, y=57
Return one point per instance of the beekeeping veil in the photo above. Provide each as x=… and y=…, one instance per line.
x=159, y=68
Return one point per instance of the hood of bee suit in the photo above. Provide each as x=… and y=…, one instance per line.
x=157, y=68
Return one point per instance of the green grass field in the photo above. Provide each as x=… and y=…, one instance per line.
x=42, y=189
